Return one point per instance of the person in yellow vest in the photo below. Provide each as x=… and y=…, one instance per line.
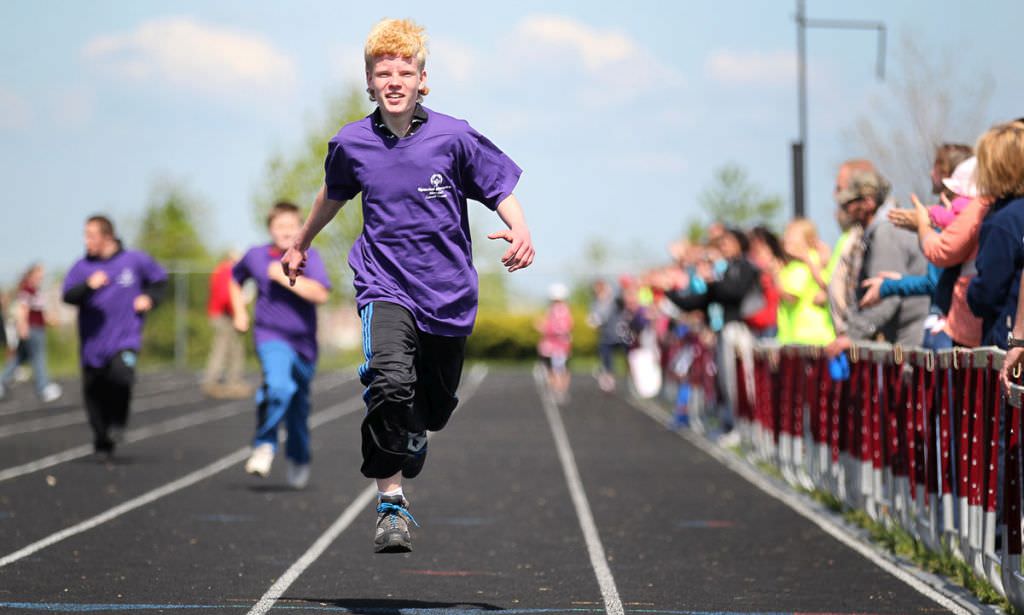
x=803, y=303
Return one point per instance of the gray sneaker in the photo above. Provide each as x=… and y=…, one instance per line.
x=116, y=433
x=393, y=526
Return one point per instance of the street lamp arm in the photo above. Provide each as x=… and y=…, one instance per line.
x=844, y=24
x=799, y=150
x=855, y=24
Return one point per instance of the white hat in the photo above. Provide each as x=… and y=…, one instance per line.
x=962, y=182
x=558, y=292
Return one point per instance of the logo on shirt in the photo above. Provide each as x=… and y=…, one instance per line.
x=438, y=189
x=126, y=278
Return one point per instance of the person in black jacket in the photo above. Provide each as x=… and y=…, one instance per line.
x=737, y=290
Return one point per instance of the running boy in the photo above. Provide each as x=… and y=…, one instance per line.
x=113, y=289
x=416, y=287
x=285, y=337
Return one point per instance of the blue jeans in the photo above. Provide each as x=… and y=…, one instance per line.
x=284, y=396
x=34, y=352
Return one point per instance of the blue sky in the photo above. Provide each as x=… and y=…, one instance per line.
x=618, y=112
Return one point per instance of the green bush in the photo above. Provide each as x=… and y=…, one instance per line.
x=501, y=335
x=62, y=350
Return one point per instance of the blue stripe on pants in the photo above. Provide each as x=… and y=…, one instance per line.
x=284, y=397
x=365, y=375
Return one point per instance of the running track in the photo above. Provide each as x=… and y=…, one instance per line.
x=524, y=507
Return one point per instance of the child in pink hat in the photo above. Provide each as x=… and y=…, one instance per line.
x=961, y=184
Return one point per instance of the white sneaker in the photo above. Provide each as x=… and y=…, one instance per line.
x=298, y=475
x=260, y=460
x=51, y=392
x=730, y=440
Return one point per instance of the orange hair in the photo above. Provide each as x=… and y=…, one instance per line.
x=397, y=37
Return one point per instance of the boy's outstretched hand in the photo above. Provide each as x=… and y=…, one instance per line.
x=293, y=262
x=520, y=254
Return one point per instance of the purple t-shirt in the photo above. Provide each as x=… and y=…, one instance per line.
x=415, y=249
x=107, y=321
x=280, y=313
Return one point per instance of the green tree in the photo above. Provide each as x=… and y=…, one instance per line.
x=597, y=252
x=694, y=231
x=734, y=199
x=169, y=230
x=298, y=175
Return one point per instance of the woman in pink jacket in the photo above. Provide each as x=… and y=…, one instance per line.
x=955, y=246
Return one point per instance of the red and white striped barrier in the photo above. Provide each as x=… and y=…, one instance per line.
x=926, y=440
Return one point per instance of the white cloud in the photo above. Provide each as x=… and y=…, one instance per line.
x=613, y=66
x=347, y=64
x=452, y=59
x=15, y=112
x=595, y=48
x=186, y=53
x=553, y=53
x=774, y=68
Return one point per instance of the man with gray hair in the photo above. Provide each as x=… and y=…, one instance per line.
x=866, y=199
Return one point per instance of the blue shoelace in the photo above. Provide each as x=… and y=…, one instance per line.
x=387, y=507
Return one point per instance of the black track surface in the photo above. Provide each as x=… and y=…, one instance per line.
x=682, y=534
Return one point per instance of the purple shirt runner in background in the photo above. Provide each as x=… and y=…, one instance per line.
x=415, y=249
x=107, y=321
x=280, y=313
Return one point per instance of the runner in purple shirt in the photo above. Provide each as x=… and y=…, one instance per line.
x=416, y=287
x=113, y=289
x=285, y=338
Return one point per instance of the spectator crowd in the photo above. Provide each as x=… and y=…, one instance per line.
x=939, y=275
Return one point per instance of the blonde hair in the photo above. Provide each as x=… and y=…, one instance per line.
x=397, y=37
x=1000, y=172
x=808, y=232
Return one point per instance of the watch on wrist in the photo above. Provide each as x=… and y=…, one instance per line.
x=1013, y=342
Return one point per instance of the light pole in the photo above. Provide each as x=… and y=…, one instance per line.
x=799, y=148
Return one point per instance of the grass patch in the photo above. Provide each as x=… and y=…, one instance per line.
x=770, y=470
x=898, y=541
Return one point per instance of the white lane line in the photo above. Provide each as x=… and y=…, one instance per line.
x=135, y=435
x=65, y=403
x=830, y=527
x=315, y=551
x=152, y=402
x=598, y=561
x=78, y=417
x=267, y=601
x=334, y=412
x=183, y=422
